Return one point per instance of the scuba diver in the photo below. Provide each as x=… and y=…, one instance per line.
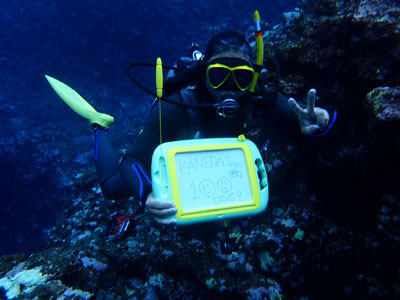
x=211, y=97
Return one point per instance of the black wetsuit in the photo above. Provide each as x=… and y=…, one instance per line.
x=259, y=118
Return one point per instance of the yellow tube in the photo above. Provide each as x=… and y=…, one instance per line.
x=260, y=50
x=159, y=78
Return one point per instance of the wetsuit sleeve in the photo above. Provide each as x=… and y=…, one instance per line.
x=135, y=167
x=107, y=166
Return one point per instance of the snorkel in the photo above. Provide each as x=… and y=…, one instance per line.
x=260, y=50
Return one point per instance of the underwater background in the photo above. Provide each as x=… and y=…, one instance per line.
x=88, y=45
x=331, y=229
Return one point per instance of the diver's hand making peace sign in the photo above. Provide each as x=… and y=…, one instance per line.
x=311, y=118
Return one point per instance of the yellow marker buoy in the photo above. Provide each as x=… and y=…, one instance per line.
x=159, y=78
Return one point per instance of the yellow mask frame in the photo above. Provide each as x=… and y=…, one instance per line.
x=231, y=72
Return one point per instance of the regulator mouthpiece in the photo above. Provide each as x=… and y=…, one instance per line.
x=228, y=108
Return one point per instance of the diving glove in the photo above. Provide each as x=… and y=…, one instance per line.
x=78, y=104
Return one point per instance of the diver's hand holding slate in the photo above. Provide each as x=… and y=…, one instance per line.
x=312, y=119
x=160, y=210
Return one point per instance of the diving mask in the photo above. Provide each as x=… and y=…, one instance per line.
x=217, y=74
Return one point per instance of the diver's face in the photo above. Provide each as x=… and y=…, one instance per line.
x=229, y=88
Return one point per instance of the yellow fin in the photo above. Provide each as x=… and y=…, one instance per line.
x=78, y=104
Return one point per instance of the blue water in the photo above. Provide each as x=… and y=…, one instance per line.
x=86, y=44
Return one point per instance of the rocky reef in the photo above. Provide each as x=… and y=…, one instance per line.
x=329, y=233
